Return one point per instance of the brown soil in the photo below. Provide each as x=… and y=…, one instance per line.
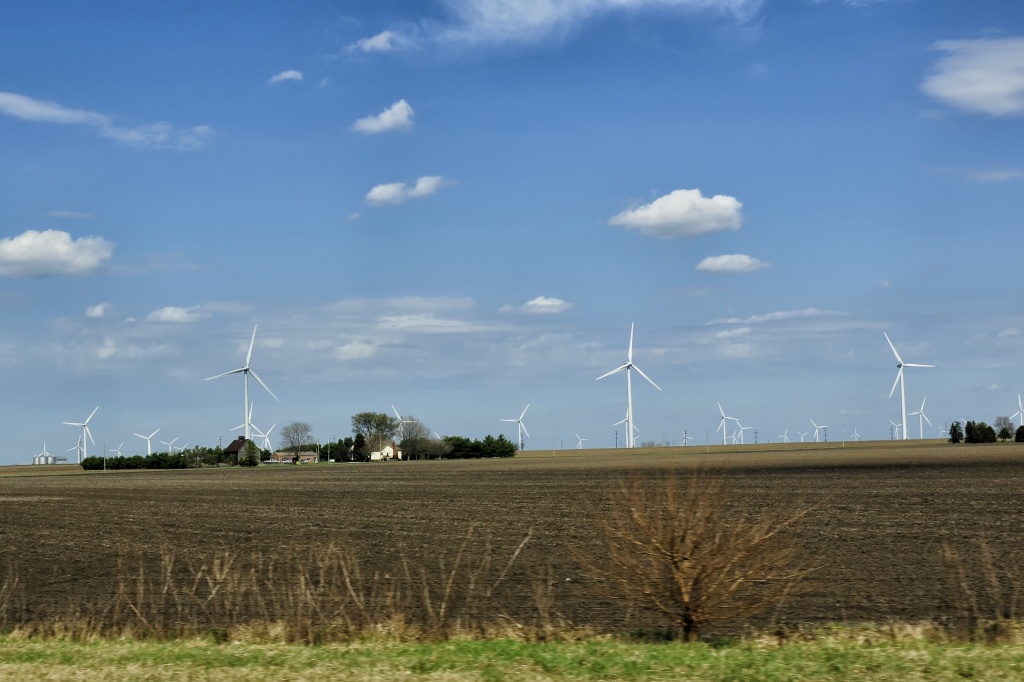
x=882, y=512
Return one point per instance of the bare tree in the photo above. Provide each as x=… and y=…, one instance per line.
x=295, y=435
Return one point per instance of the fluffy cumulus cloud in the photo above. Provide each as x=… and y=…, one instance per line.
x=175, y=315
x=682, y=213
x=158, y=135
x=542, y=305
x=386, y=41
x=397, y=192
x=731, y=263
x=289, y=75
x=52, y=252
x=982, y=76
x=99, y=311
x=529, y=21
x=396, y=117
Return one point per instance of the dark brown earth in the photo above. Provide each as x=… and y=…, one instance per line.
x=883, y=510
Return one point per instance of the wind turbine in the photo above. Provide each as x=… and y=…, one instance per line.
x=148, y=439
x=1019, y=412
x=579, y=442
x=84, y=445
x=921, y=418
x=79, y=448
x=628, y=366
x=170, y=446
x=899, y=380
x=118, y=451
x=519, y=423
x=855, y=435
x=817, y=428
x=403, y=422
x=898, y=427
x=802, y=434
x=785, y=436
x=686, y=437
x=43, y=457
x=740, y=429
x=245, y=371
x=266, y=437
x=721, y=424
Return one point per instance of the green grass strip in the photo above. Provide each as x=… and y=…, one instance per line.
x=30, y=659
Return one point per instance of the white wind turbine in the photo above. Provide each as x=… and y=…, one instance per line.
x=78, y=448
x=580, y=441
x=266, y=437
x=802, y=434
x=855, y=435
x=148, y=439
x=921, y=418
x=1019, y=412
x=170, y=446
x=785, y=436
x=721, y=424
x=628, y=366
x=118, y=451
x=899, y=380
x=898, y=428
x=519, y=423
x=740, y=429
x=817, y=429
x=245, y=371
x=687, y=437
x=43, y=457
x=403, y=422
x=83, y=451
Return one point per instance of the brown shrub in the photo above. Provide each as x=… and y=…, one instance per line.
x=694, y=553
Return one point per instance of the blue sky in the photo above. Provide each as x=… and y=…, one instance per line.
x=459, y=207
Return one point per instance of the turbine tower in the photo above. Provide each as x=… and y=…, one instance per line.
x=817, y=429
x=519, y=423
x=245, y=371
x=148, y=439
x=628, y=366
x=721, y=424
x=899, y=380
x=83, y=450
x=1019, y=412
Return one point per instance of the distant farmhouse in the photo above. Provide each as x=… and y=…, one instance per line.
x=289, y=457
x=389, y=451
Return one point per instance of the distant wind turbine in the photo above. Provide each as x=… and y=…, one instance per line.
x=855, y=435
x=628, y=366
x=83, y=452
x=402, y=423
x=785, y=436
x=170, y=446
x=1019, y=412
x=580, y=441
x=898, y=427
x=519, y=423
x=118, y=451
x=148, y=439
x=802, y=434
x=921, y=418
x=78, y=448
x=899, y=380
x=817, y=429
x=245, y=371
x=721, y=424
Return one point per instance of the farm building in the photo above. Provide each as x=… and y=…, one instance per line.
x=289, y=457
x=389, y=451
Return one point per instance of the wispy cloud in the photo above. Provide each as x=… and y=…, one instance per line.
x=997, y=175
x=542, y=305
x=175, y=315
x=71, y=215
x=52, y=252
x=530, y=21
x=385, y=41
x=778, y=316
x=397, y=192
x=158, y=135
x=682, y=213
x=731, y=264
x=396, y=117
x=981, y=76
x=289, y=75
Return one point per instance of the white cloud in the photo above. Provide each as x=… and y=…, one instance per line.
x=98, y=311
x=733, y=333
x=175, y=315
x=997, y=175
x=528, y=21
x=149, y=136
x=397, y=192
x=982, y=76
x=428, y=324
x=354, y=350
x=289, y=75
x=1008, y=333
x=682, y=213
x=52, y=252
x=71, y=215
x=779, y=316
x=386, y=41
x=396, y=117
x=542, y=305
x=731, y=263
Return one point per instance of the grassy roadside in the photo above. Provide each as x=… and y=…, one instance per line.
x=821, y=659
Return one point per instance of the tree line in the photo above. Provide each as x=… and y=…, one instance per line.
x=980, y=432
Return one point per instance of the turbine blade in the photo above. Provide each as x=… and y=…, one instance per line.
x=524, y=411
x=248, y=356
x=256, y=377
x=629, y=356
x=926, y=418
x=93, y=414
x=524, y=429
x=911, y=364
x=234, y=371
x=898, y=375
x=617, y=369
x=396, y=412
x=646, y=377
x=154, y=433
x=721, y=410
x=898, y=358
x=89, y=433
